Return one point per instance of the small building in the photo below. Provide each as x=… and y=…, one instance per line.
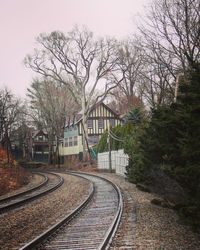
x=40, y=145
x=99, y=119
x=36, y=145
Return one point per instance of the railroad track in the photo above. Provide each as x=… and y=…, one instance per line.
x=90, y=228
x=51, y=182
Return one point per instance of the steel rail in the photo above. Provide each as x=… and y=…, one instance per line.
x=18, y=203
x=105, y=240
x=115, y=224
x=46, y=179
x=38, y=240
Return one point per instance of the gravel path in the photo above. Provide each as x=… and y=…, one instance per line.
x=21, y=225
x=147, y=226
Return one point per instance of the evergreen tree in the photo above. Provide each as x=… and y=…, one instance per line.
x=135, y=116
x=171, y=141
x=103, y=144
x=188, y=112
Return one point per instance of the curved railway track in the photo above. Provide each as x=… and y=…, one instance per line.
x=90, y=228
x=51, y=182
x=10, y=197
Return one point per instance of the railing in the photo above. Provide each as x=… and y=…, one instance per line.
x=119, y=161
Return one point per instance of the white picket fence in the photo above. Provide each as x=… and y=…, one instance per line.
x=118, y=158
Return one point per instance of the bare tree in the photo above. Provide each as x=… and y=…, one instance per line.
x=157, y=81
x=171, y=42
x=11, y=110
x=51, y=104
x=172, y=26
x=145, y=77
x=79, y=62
x=119, y=103
x=127, y=70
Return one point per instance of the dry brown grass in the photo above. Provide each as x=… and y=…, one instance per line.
x=83, y=166
x=12, y=178
x=75, y=166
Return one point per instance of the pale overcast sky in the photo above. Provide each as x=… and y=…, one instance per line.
x=21, y=21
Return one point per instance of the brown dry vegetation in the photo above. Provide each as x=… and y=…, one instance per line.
x=12, y=178
x=75, y=166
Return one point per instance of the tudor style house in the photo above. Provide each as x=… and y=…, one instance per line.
x=99, y=119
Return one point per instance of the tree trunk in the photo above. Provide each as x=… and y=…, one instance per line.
x=23, y=151
x=177, y=87
x=50, y=151
x=57, y=152
x=85, y=136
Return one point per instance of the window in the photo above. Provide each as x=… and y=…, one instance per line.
x=93, y=139
x=66, y=142
x=75, y=140
x=38, y=148
x=101, y=123
x=40, y=138
x=90, y=123
x=112, y=122
x=70, y=142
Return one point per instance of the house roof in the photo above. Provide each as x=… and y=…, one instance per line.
x=75, y=119
x=106, y=106
x=36, y=132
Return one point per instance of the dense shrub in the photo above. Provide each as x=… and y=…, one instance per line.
x=103, y=144
x=123, y=132
x=170, y=141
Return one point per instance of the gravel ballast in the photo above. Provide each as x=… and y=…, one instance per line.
x=147, y=226
x=143, y=226
x=21, y=225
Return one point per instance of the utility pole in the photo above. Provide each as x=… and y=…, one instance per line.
x=109, y=149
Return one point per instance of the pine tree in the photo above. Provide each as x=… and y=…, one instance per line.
x=188, y=111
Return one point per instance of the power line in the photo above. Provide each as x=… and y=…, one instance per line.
x=115, y=137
